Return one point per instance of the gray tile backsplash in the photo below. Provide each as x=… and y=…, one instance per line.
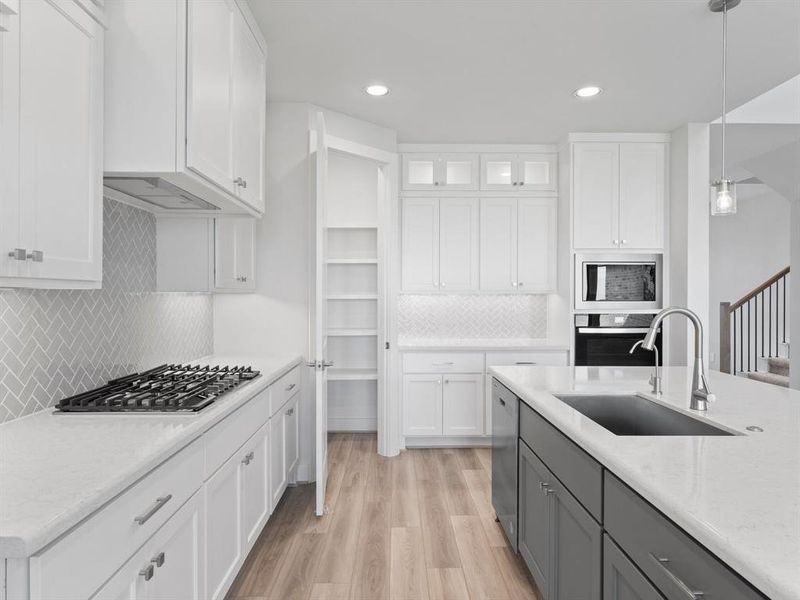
x=471, y=316
x=55, y=343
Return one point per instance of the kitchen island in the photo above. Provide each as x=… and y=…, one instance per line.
x=734, y=497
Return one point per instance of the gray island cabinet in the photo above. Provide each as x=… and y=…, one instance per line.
x=585, y=535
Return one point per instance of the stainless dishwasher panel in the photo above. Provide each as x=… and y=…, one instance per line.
x=505, y=435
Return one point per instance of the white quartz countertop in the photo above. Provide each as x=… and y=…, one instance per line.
x=477, y=344
x=739, y=496
x=56, y=469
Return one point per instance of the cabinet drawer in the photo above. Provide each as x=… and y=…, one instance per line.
x=550, y=358
x=228, y=435
x=283, y=389
x=76, y=565
x=443, y=362
x=578, y=471
x=669, y=557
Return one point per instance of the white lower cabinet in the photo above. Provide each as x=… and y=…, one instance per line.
x=223, y=495
x=283, y=447
x=422, y=405
x=168, y=567
x=183, y=531
x=462, y=405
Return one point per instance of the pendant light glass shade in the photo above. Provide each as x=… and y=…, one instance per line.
x=723, y=201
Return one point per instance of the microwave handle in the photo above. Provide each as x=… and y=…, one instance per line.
x=614, y=330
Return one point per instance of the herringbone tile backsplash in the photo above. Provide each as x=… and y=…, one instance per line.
x=447, y=317
x=55, y=343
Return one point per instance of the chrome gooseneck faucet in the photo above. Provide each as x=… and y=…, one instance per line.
x=701, y=395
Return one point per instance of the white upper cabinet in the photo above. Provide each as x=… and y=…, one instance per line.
x=498, y=251
x=249, y=114
x=618, y=195
x=537, y=226
x=420, y=240
x=458, y=244
x=209, y=90
x=641, y=195
x=50, y=145
x=526, y=173
x=234, y=251
x=443, y=172
x=202, y=135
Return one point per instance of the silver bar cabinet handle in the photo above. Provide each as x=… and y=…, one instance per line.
x=157, y=506
x=688, y=592
x=290, y=387
x=18, y=254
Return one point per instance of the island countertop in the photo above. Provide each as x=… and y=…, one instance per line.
x=739, y=496
x=57, y=469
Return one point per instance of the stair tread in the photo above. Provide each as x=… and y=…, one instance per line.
x=781, y=380
x=778, y=360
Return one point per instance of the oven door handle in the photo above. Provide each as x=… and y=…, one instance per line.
x=614, y=330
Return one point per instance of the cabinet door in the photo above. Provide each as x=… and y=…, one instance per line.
x=209, y=101
x=499, y=172
x=458, y=171
x=621, y=579
x=421, y=171
x=9, y=137
x=498, y=244
x=595, y=195
x=234, y=250
x=254, y=458
x=641, y=195
x=420, y=244
x=223, y=527
x=463, y=406
x=278, y=474
x=175, y=553
x=537, y=172
x=292, y=438
x=458, y=244
x=249, y=114
x=537, y=230
x=422, y=405
x=60, y=141
x=534, y=516
x=577, y=549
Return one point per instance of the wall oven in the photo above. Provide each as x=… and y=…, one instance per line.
x=605, y=340
x=618, y=281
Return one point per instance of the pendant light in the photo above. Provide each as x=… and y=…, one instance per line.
x=724, y=200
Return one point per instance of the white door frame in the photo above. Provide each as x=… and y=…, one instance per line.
x=388, y=406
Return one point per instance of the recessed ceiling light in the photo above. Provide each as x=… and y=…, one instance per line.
x=588, y=91
x=377, y=89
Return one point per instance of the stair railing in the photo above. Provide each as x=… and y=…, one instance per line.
x=754, y=326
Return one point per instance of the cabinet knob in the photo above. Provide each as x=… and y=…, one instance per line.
x=147, y=572
x=522, y=183
x=238, y=181
x=244, y=183
x=514, y=183
x=513, y=284
x=158, y=559
x=35, y=256
x=520, y=284
x=624, y=242
x=435, y=183
x=443, y=284
x=18, y=254
x=447, y=381
x=290, y=412
x=616, y=242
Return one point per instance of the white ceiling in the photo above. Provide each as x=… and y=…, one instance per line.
x=504, y=71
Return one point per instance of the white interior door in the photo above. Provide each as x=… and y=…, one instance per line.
x=321, y=315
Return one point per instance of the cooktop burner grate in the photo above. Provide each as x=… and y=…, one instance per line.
x=168, y=388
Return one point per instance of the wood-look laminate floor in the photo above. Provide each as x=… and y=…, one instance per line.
x=419, y=526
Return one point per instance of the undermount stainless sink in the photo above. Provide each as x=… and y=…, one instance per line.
x=629, y=414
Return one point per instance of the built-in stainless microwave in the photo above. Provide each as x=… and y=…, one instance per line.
x=618, y=281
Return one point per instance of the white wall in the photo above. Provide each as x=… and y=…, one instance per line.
x=275, y=319
x=746, y=249
x=689, y=235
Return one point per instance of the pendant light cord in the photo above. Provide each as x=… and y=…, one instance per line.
x=724, y=78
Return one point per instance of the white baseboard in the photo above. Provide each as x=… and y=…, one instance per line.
x=352, y=424
x=449, y=442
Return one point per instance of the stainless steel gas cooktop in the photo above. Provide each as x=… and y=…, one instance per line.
x=164, y=389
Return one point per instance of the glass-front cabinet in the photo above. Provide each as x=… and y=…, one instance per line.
x=446, y=172
x=519, y=172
